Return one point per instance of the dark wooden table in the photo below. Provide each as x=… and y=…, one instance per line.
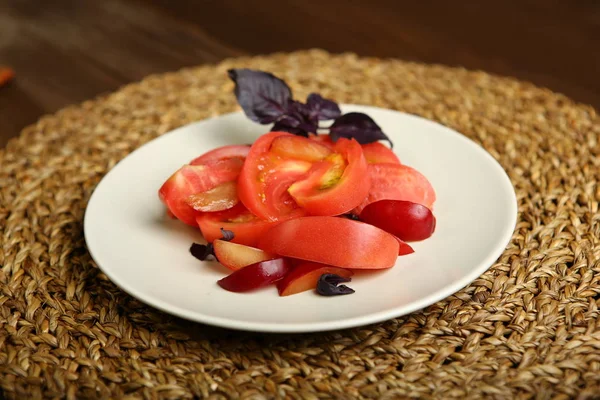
x=66, y=51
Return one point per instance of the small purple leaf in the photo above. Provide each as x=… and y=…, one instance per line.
x=358, y=126
x=281, y=127
x=263, y=97
x=202, y=251
x=227, y=235
x=329, y=285
x=322, y=109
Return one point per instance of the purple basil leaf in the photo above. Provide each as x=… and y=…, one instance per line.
x=227, y=235
x=282, y=127
x=202, y=251
x=263, y=97
x=296, y=120
x=358, y=126
x=322, y=109
x=329, y=285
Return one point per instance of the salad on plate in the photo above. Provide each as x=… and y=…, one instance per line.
x=307, y=204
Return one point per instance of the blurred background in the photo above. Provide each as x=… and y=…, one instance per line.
x=67, y=51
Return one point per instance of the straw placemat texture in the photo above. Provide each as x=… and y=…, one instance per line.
x=527, y=328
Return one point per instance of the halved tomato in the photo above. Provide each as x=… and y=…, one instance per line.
x=222, y=153
x=397, y=182
x=192, y=179
x=284, y=172
x=336, y=184
x=246, y=227
x=377, y=152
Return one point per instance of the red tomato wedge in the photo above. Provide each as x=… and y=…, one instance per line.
x=377, y=152
x=265, y=178
x=336, y=184
x=397, y=182
x=246, y=227
x=222, y=153
x=283, y=173
x=335, y=241
x=305, y=275
x=192, y=179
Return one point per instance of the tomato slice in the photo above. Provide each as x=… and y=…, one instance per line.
x=192, y=179
x=284, y=172
x=397, y=182
x=276, y=160
x=222, y=153
x=335, y=241
x=246, y=227
x=377, y=152
x=336, y=184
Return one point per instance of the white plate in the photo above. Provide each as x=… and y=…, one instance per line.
x=147, y=254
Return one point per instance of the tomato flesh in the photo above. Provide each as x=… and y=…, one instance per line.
x=306, y=150
x=192, y=179
x=332, y=240
x=397, y=182
x=336, y=184
x=284, y=173
x=219, y=198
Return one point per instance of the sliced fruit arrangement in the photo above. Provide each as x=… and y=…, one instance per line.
x=299, y=208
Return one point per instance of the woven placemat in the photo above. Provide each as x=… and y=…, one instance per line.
x=527, y=328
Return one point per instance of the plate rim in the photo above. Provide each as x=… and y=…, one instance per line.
x=371, y=318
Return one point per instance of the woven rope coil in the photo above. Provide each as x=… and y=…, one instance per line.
x=527, y=328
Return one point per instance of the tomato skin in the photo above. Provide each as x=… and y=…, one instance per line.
x=407, y=220
x=397, y=182
x=222, y=153
x=246, y=227
x=192, y=179
x=352, y=187
x=332, y=240
x=377, y=152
